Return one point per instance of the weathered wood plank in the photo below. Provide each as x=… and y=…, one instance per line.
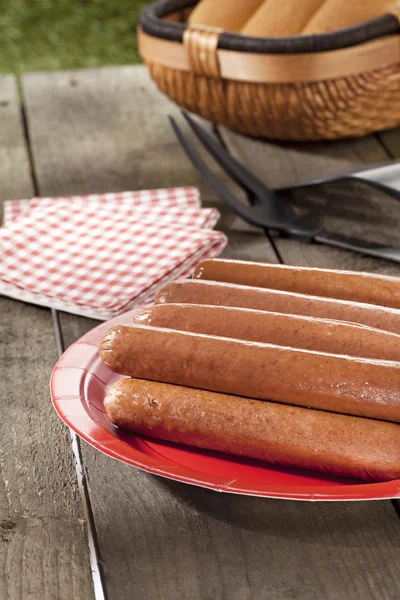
x=391, y=141
x=161, y=539
x=179, y=542
x=14, y=161
x=107, y=130
x=43, y=547
x=348, y=209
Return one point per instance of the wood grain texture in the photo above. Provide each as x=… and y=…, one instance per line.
x=161, y=539
x=14, y=161
x=107, y=130
x=350, y=209
x=43, y=548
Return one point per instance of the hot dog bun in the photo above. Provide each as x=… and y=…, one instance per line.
x=276, y=18
x=337, y=14
x=228, y=15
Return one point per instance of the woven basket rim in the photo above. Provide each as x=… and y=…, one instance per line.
x=152, y=23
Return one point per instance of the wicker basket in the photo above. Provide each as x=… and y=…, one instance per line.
x=330, y=86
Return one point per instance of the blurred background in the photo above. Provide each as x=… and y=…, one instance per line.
x=41, y=35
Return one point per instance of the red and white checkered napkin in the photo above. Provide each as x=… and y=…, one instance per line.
x=100, y=255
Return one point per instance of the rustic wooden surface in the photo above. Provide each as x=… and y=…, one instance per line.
x=106, y=130
x=43, y=548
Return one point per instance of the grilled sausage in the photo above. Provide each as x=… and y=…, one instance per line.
x=343, y=285
x=275, y=433
x=326, y=381
x=228, y=294
x=322, y=335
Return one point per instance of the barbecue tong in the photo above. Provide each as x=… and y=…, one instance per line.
x=272, y=212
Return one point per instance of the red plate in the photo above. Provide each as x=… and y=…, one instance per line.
x=78, y=385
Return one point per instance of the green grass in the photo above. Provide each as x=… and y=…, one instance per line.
x=39, y=35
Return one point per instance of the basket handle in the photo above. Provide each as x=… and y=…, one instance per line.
x=201, y=45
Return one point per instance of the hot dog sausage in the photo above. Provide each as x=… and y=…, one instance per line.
x=344, y=285
x=275, y=433
x=228, y=294
x=323, y=335
x=326, y=381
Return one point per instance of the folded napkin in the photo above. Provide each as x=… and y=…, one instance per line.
x=100, y=255
x=185, y=197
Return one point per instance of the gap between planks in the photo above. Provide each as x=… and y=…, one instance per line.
x=43, y=547
x=95, y=566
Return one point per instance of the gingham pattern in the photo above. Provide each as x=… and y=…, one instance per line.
x=101, y=257
x=184, y=197
x=55, y=214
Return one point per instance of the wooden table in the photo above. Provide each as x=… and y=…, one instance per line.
x=107, y=130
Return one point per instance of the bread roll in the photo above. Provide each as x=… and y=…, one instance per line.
x=337, y=14
x=280, y=18
x=229, y=15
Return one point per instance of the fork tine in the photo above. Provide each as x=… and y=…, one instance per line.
x=233, y=167
x=220, y=189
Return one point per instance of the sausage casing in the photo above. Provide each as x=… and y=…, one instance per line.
x=322, y=335
x=196, y=291
x=342, y=384
x=344, y=285
x=278, y=434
